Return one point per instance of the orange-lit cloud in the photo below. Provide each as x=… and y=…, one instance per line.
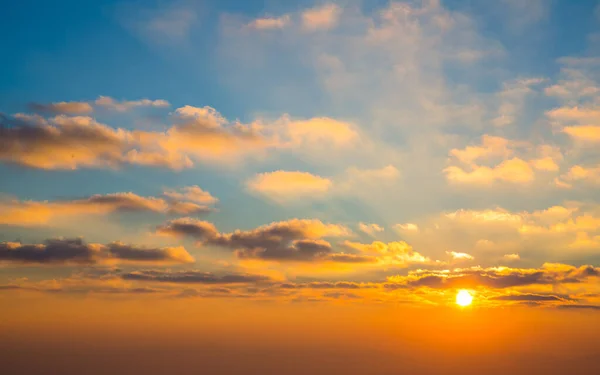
x=501, y=160
x=397, y=253
x=195, y=134
x=322, y=17
x=283, y=186
x=61, y=143
x=190, y=200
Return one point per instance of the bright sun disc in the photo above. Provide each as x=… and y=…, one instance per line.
x=464, y=298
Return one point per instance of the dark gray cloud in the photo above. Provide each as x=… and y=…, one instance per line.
x=193, y=277
x=188, y=227
x=528, y=298
x=293, y=240
x=77, y=252
x=51, y=251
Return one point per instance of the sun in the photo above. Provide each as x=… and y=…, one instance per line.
x=464, y=298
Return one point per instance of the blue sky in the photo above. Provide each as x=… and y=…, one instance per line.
x=450, y=127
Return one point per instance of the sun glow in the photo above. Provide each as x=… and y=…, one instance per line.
x=464, y=298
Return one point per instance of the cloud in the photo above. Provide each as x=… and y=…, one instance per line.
x=514, y=170
x=192, y=277
x=397, y=253
x=408, y=227
x=294, y=186
x=193, y=194
x=126, y=105
x=494, y=277
x=61, y=143
x=459, y=256
x=321, y=18
x=578, y=173
x=80, y=141
x=192, y=200
x=292, y=240
x=589, y=133
x=501, y=160
x=66, y=108
x=285, y=186
x=77, y=252
x=370, y=229
x=194, y=228
x=194, y=134
x=512, y=257
x=270, y=23
x=320, y=131
x=527, y=298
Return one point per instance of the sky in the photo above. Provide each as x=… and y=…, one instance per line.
x=292, y=184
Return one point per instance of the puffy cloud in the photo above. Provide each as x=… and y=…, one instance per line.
x=195, y=134
x=292, y=240
x=192, y=200
x=512, y=257
x=77, y=252
x=61, y=143
x=67, y=108
x=513, y=170
x=321, y=18
x=122, y=106
x=501, y=160
x=192, y=277
x=285, y=186
x=370, y=229
x=578, y=173
x=202, y=134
